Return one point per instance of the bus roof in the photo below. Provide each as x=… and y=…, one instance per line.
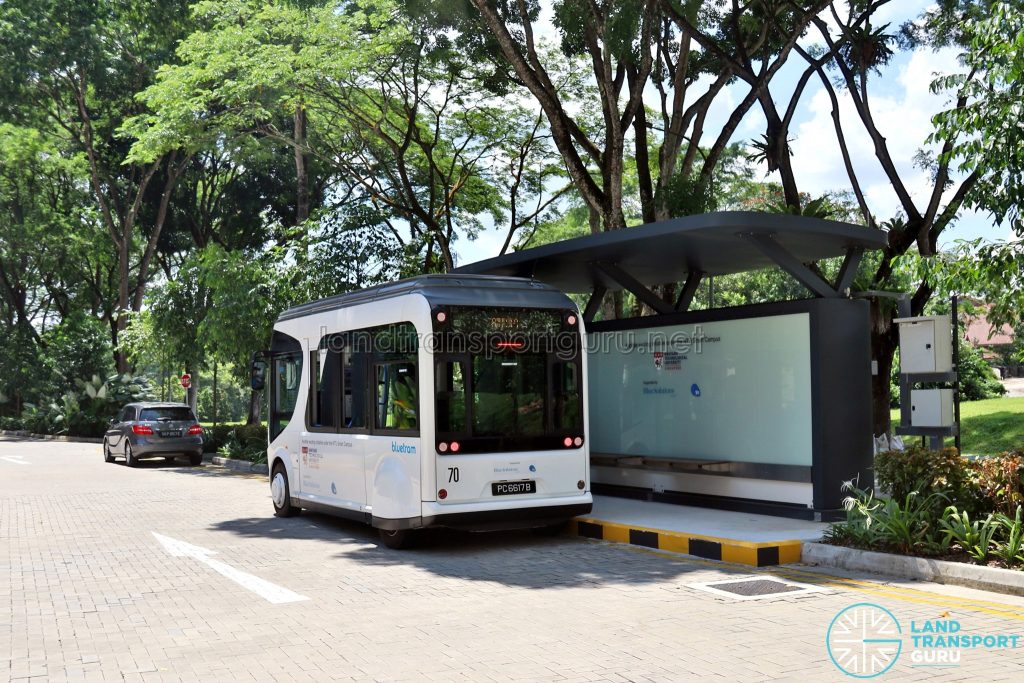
x=449, y=290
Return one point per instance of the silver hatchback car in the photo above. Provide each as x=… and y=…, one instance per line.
x=150, y=430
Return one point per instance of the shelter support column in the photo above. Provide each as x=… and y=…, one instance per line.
x=792, y=265
x=635, y=286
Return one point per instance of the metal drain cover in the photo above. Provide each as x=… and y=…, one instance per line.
x=756, y=587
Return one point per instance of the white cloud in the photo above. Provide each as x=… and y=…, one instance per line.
x=902, y=107
x=486, y=245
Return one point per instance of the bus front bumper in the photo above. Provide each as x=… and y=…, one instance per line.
x=492, y=516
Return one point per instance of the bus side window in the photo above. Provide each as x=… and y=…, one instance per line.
x=397, y=396
x=354, y=380
x=325, y=386
x=286, y=391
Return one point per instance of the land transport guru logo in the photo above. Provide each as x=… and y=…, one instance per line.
x=866, y=640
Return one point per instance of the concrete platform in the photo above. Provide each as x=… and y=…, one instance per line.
x=757, y=540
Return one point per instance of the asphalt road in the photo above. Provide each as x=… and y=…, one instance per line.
x=167, y=572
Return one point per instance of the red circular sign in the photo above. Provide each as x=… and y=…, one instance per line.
x=186, y=380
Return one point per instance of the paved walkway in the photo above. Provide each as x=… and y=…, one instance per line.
x=170, y=573
x=1014, y=386
x=740, y=526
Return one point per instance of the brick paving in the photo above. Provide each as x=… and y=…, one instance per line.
x=87, y=593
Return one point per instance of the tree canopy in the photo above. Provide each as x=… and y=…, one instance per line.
x=174, y=174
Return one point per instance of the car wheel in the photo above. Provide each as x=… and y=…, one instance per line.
x=129, y=457
x=398, y=539
x=107, y=455
x=195, y=459
x=281, y=494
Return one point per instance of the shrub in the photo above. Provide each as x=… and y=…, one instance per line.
x=977, y=381
x=1010, y=550
x=918, y=469
x=998, y=482
x=246, y=442
x=12, y=423
x=974, y=538
x=215, y=437
x=88, y=411
x=906, y=526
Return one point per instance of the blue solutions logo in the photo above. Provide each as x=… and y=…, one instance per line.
x=864, y=640
x=402, y=448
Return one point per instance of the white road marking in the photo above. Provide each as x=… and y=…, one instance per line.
x=268, y=591
x=16, y=459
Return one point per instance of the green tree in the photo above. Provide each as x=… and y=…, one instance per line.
x=404, y=134
x=247, y=292
x=984, y=134
x=77, y=64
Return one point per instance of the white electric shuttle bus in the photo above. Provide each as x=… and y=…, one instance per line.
x=441, y=400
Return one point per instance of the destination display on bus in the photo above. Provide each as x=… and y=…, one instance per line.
x=463, y=320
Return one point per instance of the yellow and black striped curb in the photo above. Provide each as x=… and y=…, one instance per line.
x=709, y=547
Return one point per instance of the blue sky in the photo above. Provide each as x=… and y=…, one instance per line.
x=902, y=105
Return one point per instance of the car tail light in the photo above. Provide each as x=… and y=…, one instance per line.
x=571, y=320
x=142, y=430
x=441, y=316
x=455, y=446
x=443, y=447
x=195, y=430
x=567, y=441
x=578, y=441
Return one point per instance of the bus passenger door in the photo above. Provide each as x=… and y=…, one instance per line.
x=333, y=447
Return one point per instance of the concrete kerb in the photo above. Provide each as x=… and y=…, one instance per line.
x=240, y=465
x=994, y=579
x=50, y=437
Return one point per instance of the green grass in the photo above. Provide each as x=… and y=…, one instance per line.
x=988, y=427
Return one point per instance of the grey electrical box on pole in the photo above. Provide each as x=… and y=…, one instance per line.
x=927, y=357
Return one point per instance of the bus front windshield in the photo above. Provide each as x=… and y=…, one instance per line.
x=499, y=396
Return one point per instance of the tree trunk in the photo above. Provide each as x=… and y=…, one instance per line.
x=214, y=393
x=192, y=395
x=301, y=167
x=883, y=349
x=120, y=321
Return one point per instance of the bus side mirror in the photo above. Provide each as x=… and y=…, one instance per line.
x=258, y=375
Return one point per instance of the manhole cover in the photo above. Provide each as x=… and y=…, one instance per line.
x=755, y=587
x=759, y=587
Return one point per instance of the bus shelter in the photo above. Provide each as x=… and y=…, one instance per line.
x=765, y=407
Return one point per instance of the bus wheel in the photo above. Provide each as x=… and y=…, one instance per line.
x=281, y=494
x=398, y=539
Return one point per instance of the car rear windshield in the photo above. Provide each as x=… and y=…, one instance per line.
x=183, y=414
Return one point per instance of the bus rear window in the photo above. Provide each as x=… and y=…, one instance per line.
x=171, y=414
x=509, y=394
